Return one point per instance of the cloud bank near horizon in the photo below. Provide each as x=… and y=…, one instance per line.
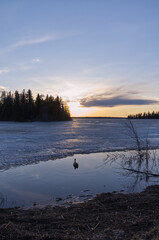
x=115, y=101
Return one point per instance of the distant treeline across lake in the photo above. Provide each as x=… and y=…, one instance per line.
x=153, y=115
x=23, y=107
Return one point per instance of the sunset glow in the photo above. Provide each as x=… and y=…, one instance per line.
x=104, y=63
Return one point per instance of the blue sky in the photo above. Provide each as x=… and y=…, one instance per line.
x=100, y=55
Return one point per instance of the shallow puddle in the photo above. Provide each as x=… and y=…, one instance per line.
x=58, y=182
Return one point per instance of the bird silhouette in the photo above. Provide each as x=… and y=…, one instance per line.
x=75, y=164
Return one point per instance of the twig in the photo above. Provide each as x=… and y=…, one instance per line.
x=137, y=171
x=95, y=226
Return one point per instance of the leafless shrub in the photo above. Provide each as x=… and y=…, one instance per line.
x=142, y=145
x=142, y=161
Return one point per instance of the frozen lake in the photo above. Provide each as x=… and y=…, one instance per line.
x=29, y=175
x=22, y=143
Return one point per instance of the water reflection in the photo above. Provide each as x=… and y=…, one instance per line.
x=142, y=167
x=55, y=182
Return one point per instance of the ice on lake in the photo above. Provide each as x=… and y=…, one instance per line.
x=23, y=143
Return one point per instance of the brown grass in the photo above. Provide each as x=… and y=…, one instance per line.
x=107, y=216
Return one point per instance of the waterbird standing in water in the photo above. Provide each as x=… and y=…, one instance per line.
x=75, y=164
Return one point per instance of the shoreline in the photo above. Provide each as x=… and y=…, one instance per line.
x=15, y=164
x=106, y=216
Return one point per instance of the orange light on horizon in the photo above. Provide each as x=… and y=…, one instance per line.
x=118, y=111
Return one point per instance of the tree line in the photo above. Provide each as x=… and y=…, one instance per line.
x=153, y=115
x=22, y=107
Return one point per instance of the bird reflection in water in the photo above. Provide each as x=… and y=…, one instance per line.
x=75, y=164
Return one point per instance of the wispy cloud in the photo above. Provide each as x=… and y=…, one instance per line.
x=21, y=66
x=36, y=40
x=103, y=68
x=36, y=60
x=32, y=41
x=5, y=70
x=28, y=41
x=95, y=68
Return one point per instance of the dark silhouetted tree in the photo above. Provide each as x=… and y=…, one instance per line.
x=16, y=108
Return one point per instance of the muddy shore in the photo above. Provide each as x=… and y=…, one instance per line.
x=107, y=216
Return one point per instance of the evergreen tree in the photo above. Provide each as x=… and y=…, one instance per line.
x=17, y=110
x=7, y=108
x=38, y=106
x=23, y=104
x=30, y=105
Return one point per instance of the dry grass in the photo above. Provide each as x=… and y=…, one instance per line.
x=152, y=234
x=107, y=216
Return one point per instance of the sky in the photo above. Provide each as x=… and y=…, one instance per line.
x=100, y=56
